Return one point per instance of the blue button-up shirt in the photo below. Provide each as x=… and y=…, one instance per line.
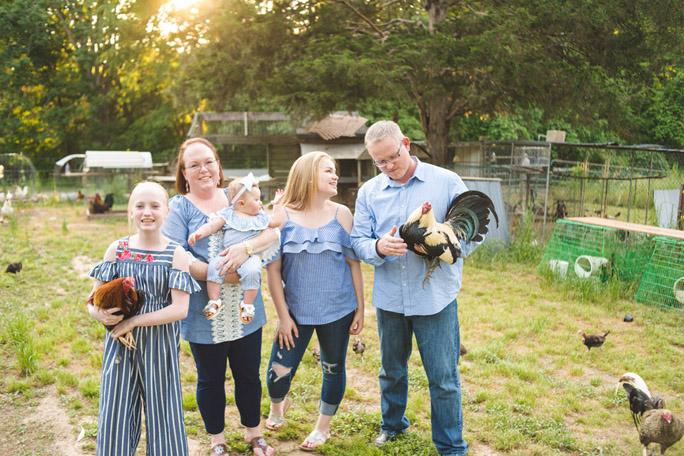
x=382, y=203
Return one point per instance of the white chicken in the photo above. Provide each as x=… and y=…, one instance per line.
x=7, y=209
x=21, y=192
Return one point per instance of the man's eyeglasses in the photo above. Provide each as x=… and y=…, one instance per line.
x=391, y=159
x=196, y=166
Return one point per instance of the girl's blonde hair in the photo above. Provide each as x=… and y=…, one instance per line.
x=302, y=182
x=139, y=185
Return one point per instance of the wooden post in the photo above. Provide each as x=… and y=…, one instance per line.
x=680, y=217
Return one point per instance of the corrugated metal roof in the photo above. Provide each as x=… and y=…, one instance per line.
x=337, y=125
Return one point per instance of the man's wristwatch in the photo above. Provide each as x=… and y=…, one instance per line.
x=248, y=248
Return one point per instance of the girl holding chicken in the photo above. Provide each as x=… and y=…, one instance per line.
x=147, y=376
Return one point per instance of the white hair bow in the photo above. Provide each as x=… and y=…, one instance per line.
x=248, y=182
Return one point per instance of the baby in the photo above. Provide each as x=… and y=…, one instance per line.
x=241, y=221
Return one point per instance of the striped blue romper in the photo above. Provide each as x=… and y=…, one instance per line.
x=148, y=377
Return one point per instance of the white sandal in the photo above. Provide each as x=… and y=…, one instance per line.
x=212, y=308
x=316, y=437
x=246, y=311
x=275, y=421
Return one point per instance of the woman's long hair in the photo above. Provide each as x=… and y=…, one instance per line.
x=181, y=184
x=302, y=182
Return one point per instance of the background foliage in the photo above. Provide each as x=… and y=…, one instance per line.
x=127, y=74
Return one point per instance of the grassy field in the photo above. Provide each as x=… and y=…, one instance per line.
x=529, y=386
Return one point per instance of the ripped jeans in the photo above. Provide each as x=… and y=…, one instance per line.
x=333, y=339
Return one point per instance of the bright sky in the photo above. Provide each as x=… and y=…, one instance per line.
x=173, y=10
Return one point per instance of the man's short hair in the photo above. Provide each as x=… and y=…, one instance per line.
x=382, y=129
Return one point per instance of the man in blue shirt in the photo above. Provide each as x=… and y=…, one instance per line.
x=404, y=306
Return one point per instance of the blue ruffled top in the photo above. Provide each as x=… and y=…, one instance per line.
x=316, y=276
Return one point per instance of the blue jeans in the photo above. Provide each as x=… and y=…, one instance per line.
x=333, y=339
x=438, y=339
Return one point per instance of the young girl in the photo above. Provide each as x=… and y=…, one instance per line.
x=316, y=285
x=149, y=376
x=241, y=221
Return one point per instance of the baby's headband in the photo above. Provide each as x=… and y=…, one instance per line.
x=247, y=182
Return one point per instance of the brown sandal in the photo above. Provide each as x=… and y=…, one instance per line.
x=260, y=443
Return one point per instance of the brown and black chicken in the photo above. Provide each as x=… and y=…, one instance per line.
x=466, y=220
x=119, y=293
x=654, y=423
x=97, y=206
x=592, y=340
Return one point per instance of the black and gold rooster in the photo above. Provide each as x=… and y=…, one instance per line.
x=466, y=220
x=639, y=397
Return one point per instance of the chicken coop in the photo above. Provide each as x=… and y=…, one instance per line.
x=553, y=179
x=663, y=280
x=585, y=250
x=605, y=249
x=16, y=170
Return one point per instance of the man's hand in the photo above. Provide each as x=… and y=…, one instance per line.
x=388, y=245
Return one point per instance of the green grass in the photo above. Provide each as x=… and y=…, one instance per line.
x=529, y=386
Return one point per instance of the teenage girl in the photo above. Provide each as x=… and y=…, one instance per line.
x=148, y=377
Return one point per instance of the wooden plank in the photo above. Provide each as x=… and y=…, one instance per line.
x=627, y=226
x=680, y=212
x=240, y=116
x=256, y=139
x=106, y=215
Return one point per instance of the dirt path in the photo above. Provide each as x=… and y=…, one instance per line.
x=50, y=414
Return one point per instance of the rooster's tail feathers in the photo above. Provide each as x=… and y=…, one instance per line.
x=468, y=213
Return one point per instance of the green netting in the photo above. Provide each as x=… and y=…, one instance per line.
x=584, y=250
x=663, y=281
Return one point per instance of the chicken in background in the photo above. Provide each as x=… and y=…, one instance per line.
x=119, y=293
x=21, y=192
x=592, y=340
x=639, y=397
x=660, y=427
x=14, y=268
x=654, y=423
x=466, y=220
x=359, y=347
x=316, y=353
x=7, y=209
x=97, y=206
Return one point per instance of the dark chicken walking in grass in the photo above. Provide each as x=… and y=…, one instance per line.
x=14, y=268
x=654, y=423
x=119, y=293
x=592, y=340
x=466, y=220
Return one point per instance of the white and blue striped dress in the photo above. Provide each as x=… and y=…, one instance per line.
x=148, y=377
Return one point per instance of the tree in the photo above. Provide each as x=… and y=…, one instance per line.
x=84, y=74
x=576, y=60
